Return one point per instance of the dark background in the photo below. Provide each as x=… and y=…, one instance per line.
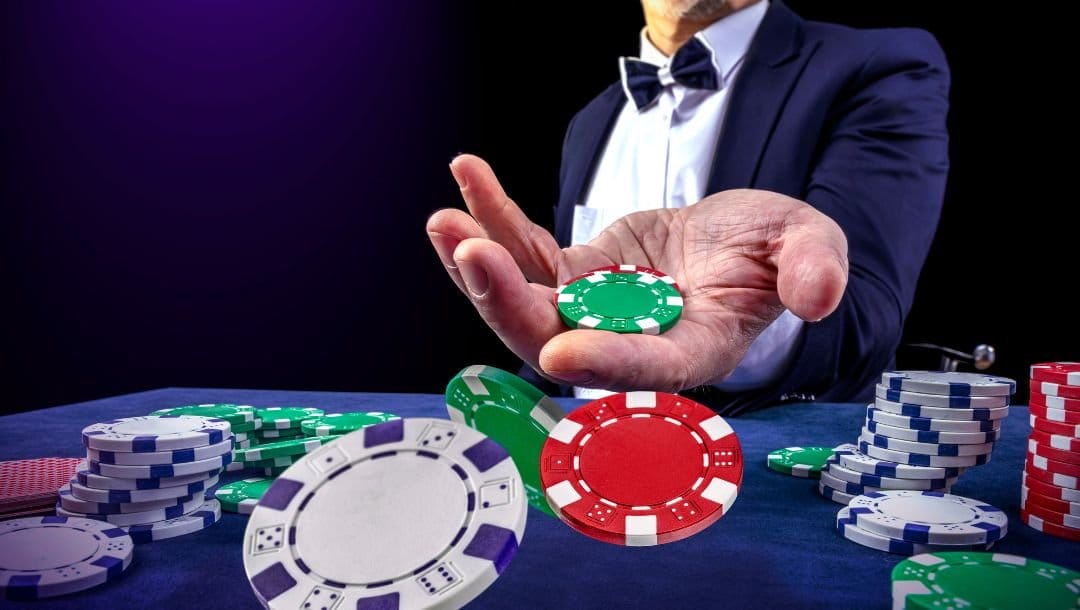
x=233, y=194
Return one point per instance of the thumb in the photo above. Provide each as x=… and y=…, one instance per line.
x=812, y=268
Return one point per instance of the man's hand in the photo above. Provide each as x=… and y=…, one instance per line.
x=740, y=257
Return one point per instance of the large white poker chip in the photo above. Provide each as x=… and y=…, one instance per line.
x=49, y=556
x=155, y=433
x=948, y=383
x=410, y=513
x=928, y=517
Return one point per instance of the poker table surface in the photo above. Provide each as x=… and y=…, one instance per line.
x=777, y=547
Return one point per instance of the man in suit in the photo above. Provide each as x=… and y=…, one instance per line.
x=819, y=156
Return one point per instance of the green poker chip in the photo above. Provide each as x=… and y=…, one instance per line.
x=242, y=496
x=510, y=411
x=962, y=579
x=805, y=462
x=278, y=418
x=285, y=448
x=621, y=298
x=236, y=415
x=343, y=423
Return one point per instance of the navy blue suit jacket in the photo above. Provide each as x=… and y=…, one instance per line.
x=851, y=121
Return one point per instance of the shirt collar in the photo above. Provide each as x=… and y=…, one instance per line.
x=728, y=38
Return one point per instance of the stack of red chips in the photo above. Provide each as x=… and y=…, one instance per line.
x=1050, y=491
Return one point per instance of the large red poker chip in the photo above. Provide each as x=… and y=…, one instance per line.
x=1067, y=462
x=1053, y=427
x=1049, y=388
x=1057, y=441
x=1052, y=414
x=1029, y=495
x=1050, y=478
x=1067, y=373
x=1036, y=522
x=1051, y=401
x=641, y=468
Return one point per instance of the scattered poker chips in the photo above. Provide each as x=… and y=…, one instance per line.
x=604, y=478
x=328, y=531
x=511, y=412
x=804, y=462
x=620, y=298
x=1050, y=491
x=50, y=556
x=922, y=430
x=970, y=579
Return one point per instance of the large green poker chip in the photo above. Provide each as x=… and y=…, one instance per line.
x=982, y=580
x=510, y=411
x=622, y=299
x=799, y=461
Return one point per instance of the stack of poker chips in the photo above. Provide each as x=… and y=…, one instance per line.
x=149, y=475
x=275, y=453
x=1050, y=491
x=922, y=430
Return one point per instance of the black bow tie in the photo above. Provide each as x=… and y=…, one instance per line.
x=691, y=67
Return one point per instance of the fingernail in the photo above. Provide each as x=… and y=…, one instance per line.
x=574, y=377
x=476, y=280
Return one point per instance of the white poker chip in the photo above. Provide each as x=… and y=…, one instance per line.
x=128, y=496
x=928, y=424
x=922, y=459
x=852, y=489
x=950, y=413
x=97, y=481
x=948, y=383
x=847, y=527
x=77, y=505
x=850, y=457
x=932, y=436
x=50, y=556
x=155, y=458
x=939, y=400
x=838, y=471
x=207, y=515
x=188, y=506
x=835, y=495
x=940, y=449
x=331, y=526
x=929, y=517
x=160, y=471
x=155, y=433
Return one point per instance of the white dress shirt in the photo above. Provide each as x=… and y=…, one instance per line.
x=661, y=156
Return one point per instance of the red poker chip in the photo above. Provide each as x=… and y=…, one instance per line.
x=1058, y=506
x=1065, y=458
x=641, y=468
x=1053, y=427
x=1051, y=516
x=1049, y=388
x=1053, y=402
x=1050, y=478
x=1057, y=441
x=1052, y=414
x=1067, y=373
x=1038, y=523
x=1049, y=490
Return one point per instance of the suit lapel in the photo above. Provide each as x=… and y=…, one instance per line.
x=773, y=64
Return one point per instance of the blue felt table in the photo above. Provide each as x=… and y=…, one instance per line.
x=776, y=548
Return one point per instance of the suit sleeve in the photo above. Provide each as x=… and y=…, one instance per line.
x=881, y=176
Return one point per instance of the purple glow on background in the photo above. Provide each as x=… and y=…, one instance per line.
x=215, y=193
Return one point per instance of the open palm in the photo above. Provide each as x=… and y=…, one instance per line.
x=740, y=257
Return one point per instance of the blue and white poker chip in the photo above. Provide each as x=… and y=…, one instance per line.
x=160, y=471
x=127, y=496
x=50, y=556
x=155, y=458
x=189, y=505
x=207, y=515
x=835, y=495
x=78, y=505
x=922, y=459
x=330, y=526
x=932, y=436
x=928, y=517
x=838, y=471
x=155, y=433
x=846, y=525
x=851, y=458
x=889, y=418
x=951, y=413
x=940, y=400
x=948, y=383
x=938, y=449
x=97, y=481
